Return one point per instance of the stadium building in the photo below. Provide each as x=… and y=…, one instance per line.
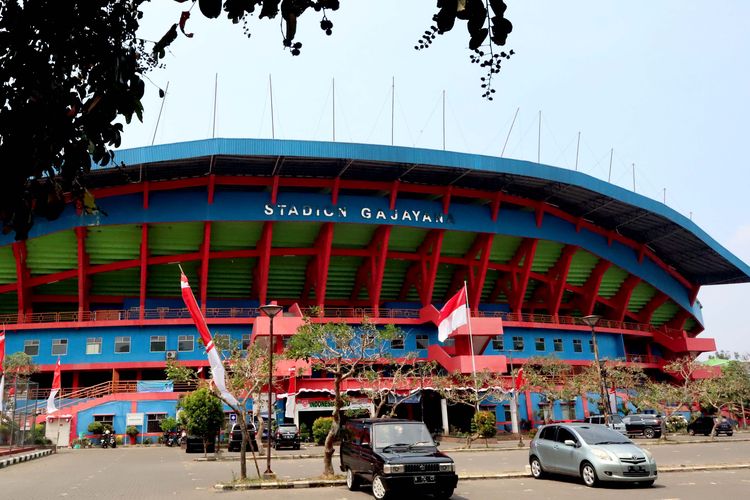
x=354, y=230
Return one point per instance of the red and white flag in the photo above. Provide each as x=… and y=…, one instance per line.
x=453, y=315
x=217, y=367
x=519, y=379
x=51, y=408
x=2, y=373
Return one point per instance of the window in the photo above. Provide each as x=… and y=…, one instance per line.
x=31, y=347
x=59, y=347
x=158, y=343
x=548, y=433
x=577, y=346
x=107, y=420
x=223, y=341
x=518, y=343
x=449, y=342
x=564, y=434
x=94, y=345
x=397, y=342
x=185, y=343
x=245, y=341
x=153, y=421
x=422, y=341
x=558, y=345
x=498, y=343
x=591, y=345
x=122, y=345
x=539, y=344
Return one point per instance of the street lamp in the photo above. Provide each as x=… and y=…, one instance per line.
x=516, y=403
x=269, y=310
x=591, y=322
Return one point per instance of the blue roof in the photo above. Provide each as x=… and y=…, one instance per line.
x=676, y=239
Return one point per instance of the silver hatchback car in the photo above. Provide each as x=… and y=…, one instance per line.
x=593, y=452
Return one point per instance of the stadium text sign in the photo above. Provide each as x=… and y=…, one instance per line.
x=294, y=211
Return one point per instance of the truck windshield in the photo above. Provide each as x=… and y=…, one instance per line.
x=402, y=433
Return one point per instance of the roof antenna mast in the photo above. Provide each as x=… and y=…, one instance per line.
x=158, y=119
x=270, y=90
x=393, y=104
x=216, y=87
x=509, y=131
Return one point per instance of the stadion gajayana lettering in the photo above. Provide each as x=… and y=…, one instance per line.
x=366, y=213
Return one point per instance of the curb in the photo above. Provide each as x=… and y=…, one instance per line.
x=7, y=462
x=644, y=442
x=320, y=483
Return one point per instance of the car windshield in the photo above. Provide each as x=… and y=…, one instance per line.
x=617, y=419
x=601, y=435
x=402, y=433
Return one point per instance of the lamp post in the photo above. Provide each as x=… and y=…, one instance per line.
x=270, y=310
x=591, y=322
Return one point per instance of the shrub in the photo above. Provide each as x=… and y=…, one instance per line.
x=484, y=423
x=96, y=428
x=533, y=432
x=304, y=432
x=118, y=440
x=132, y=431
x=168, y=424
x=147, y=441
x=321, y=428
x=676, y=423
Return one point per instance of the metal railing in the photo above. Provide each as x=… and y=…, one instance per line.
x=167, y=313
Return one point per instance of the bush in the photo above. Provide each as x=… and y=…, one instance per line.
x=676, y=423
x=484, y=424
x=533, y=432
x=132, y=431
x=118, y=440
x=96, y=428
x=304, y=432
x=168, y=424
x=321, y=428
x=147, y=441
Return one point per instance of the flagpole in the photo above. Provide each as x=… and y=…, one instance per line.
x=59, y=403
x=471, y=344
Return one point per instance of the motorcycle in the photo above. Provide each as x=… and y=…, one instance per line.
x=170, y=439
x=109, y=440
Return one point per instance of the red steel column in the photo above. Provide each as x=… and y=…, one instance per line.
x=144, y=270
x=22, y=277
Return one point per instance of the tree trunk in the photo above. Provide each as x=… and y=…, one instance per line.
x=331, y=437
x=205, y=447
x=742, y=409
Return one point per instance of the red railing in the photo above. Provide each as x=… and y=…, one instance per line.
x=166, y=313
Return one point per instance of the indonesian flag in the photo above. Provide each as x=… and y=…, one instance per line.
x=2, y=374
x=217, y=367
x=519, y=379
x=452, y=315
x=291, y=394
x=51, y=408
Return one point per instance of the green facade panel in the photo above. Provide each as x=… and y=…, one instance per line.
x=7, y=265
x=164, y=279
x=286, y=277
x=642, y=294
x=230, y=278
x=62, y=287
x=235, y=235
x=456, y=243
x=125, y=282
x=664, y=313
x=405, y=239
x=504, y=248
x=296, y=234
x=611, y=281
x=581, y=266
x=105, y=244
x=342, y=273
x=8, y=303
x=52, y=253
x=353, y=235
x=393, y=279
x=546, y=255
x=172, y=239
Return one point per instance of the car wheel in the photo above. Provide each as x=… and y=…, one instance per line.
x=536, y=468
x=378, y=488
x=647, y=484
x=649, y=433
x=352, y=481
x=729, y=433
x=588, y=474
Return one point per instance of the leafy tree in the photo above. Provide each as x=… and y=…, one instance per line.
x=179, y=373
x=621, y=376
x=552, y=378
x=405, y=375
x=73, y=71
x=204, y=415
x=18, y=366
x=96, y=428
x=168, y=424
x=342, y=351
x=737, y=377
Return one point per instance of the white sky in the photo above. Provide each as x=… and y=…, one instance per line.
x=666, y=84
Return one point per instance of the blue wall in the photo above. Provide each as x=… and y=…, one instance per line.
x=610, y=346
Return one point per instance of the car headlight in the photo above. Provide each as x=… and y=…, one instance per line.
x=393, y=469
x=447, y=467
x=602, y=455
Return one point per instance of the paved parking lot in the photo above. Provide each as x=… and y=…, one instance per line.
x=160, y=472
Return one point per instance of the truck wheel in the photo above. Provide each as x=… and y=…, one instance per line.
x=378, y=488
x=352, y=481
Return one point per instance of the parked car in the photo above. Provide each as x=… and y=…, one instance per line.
x=595, y=453
x=647, y=425
x=396, y=456
x=705, y=425
x=615, y=422
x=286, y=435
x=235, y=438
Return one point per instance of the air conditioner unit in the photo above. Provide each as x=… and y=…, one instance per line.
x=171, y=354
